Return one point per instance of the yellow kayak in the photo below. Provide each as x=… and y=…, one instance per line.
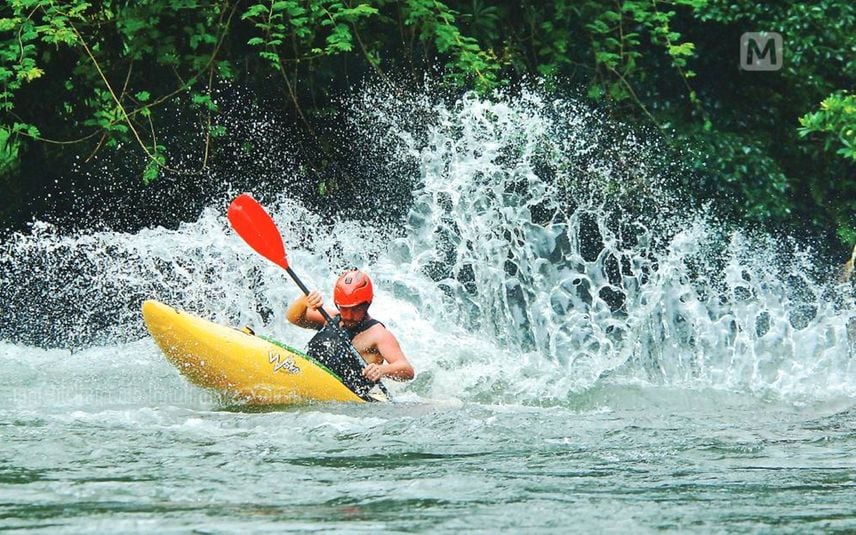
x=254, y=370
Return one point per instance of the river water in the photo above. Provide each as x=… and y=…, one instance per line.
x=592, y=355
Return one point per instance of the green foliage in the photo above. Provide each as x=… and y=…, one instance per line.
x=836, y=120
x=78, y=76
x=616, y=34
x=835, y=124
x=741, y=170
x=549, y=34
x=436, y=24
x=8, y=153
x=323, y=29
x=23, y=33
x=154, y=165
x=305, y=28
x=112, y=95
x=217, y=131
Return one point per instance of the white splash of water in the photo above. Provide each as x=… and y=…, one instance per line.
x=518, y=219
x=545, y=252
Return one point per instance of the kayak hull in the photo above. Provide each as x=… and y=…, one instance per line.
x=239, y=365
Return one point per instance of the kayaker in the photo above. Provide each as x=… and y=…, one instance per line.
x=352, y=295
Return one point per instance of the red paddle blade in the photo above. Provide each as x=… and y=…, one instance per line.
x=256, y=227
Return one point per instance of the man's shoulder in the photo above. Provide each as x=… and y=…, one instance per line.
x=378, y=330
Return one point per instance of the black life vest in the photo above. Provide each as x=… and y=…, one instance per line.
x=331, y=347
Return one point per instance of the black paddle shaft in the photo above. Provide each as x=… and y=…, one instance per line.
x=353, y=350
x=305, y=291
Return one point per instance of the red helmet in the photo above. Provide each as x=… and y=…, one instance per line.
x=353, y=288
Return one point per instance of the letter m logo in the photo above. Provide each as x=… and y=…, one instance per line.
x=761, y=51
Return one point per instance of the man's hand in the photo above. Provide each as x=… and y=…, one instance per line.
x=374, y=372
x=314, y=300
x=304, y=311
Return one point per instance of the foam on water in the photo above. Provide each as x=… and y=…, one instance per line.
x=537, y=237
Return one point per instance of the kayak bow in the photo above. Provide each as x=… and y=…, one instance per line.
x=234, y=363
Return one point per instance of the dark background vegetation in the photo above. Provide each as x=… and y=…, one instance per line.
x=135, y=91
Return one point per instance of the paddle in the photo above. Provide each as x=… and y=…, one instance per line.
x=252, y=223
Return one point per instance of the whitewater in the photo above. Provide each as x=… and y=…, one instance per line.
x=594, y=352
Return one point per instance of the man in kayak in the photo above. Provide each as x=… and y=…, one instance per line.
x=352, y=295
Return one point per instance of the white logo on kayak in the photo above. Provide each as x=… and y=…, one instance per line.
x=286, y=364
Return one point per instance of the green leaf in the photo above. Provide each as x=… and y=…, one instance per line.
x=151, y=172
x=684, y=49
x=9, y=24
x=31, y=74
x=595, y=92
x=154, y=165
x=254, y=11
